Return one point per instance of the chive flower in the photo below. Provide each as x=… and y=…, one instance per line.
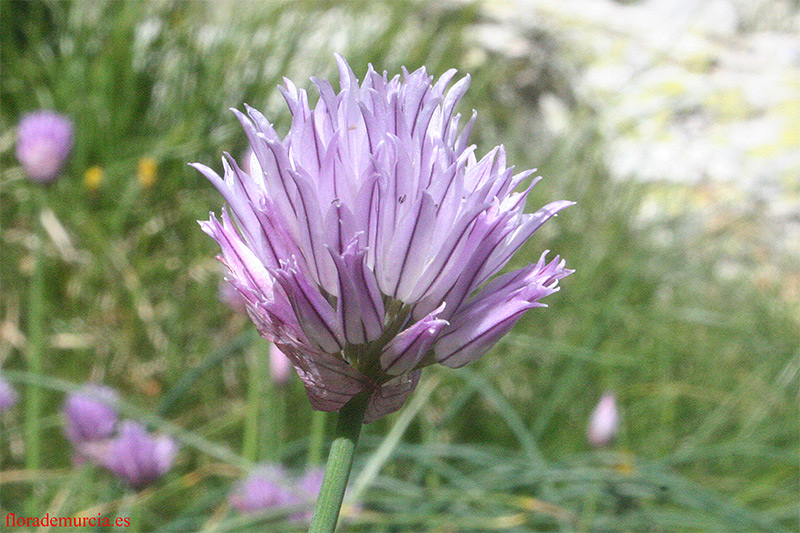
x=90, y=414
x=137, y=457
x=270, y=486
x=44, y=142
x=266, y=487
x=367, y=242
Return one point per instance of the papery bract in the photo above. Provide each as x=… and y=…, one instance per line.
x=363, y=241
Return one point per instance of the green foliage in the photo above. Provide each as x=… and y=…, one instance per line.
x=706, y=370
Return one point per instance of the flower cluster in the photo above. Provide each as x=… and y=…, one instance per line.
x=126, y=449
x=366, y=243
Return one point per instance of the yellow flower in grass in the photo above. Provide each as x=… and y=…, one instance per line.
x=146, y=172
x=93, y=177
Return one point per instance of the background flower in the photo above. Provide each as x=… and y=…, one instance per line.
x=604, y=422
x=90, y=414
x=265, y=487
x=44, y=141
x=138, y=457
x=8, y=396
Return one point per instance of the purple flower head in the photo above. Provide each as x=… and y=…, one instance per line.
x=604, y=422
x=90, y=414
x=366, y=242
x=8, y=396
x=138, y=457
x=44, y=141
x=264, y=488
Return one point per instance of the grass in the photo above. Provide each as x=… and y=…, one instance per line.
x=705, y=368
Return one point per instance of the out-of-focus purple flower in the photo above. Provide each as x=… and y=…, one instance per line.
x=271, y=486
x=138, y=457
x=366, y=242
x=266, y=487
x=604, y=422
x=229, y=295
x=279, y=365
x=90, y=414
x=310, y=484
x=8, y=396
x=94, y=451
x=44, y=142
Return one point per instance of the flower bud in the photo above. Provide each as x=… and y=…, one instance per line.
x=279, y=365
x=604, y=422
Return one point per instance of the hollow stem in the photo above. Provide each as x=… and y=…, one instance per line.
x=340, y=461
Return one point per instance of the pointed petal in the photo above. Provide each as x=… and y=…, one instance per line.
x=464, y=344
x=360, y=307
x=408, y=348
x=248, y=272
x=503, y=253
x=490, y=314
x=315, y=315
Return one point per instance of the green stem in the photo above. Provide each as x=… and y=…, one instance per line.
x=36, y=340
x=33, y=357
x=340, y=461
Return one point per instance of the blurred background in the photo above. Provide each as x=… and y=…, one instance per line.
x=675, y=126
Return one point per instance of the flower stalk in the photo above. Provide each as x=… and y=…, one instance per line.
x=340, y=461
